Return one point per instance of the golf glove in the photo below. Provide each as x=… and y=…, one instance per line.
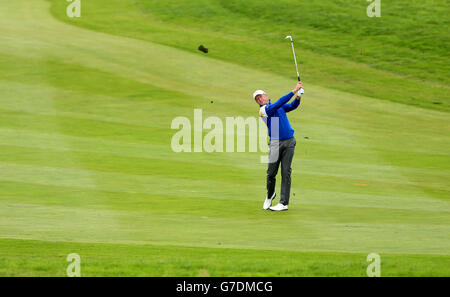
x=301, y=92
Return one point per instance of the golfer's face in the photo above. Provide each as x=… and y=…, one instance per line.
x=263, y=99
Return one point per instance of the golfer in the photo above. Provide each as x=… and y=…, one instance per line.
x=281, y=145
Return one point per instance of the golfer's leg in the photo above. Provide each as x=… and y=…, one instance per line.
x=272, y=168
x=287, y=155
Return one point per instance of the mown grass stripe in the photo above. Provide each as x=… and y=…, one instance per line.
x=159, y=260
x=86, y=225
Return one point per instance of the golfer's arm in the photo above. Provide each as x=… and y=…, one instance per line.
x=292, y=105
x=272, y=108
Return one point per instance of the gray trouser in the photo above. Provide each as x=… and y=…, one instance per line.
x=280, y=151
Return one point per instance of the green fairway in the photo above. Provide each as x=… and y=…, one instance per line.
x=34, y=258
x=86, y=164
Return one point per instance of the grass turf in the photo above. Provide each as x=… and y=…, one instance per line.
x=402, y=56
x=37, y=258
x=86, y=164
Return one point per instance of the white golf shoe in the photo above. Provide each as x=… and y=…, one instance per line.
x=268, y=201
x=279, y=207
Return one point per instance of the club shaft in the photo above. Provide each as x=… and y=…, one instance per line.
x=295, y=59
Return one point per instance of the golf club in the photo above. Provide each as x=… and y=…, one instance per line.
x=295, y=60
x=293, y=52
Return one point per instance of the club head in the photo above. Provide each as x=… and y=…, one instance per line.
x=289, y=37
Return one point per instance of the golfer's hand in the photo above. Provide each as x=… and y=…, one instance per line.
x=297, y=87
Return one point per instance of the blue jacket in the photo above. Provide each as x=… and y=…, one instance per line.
x=278, y=110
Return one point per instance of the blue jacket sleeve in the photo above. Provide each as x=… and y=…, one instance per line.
x=291, y=106
x=272, y=108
